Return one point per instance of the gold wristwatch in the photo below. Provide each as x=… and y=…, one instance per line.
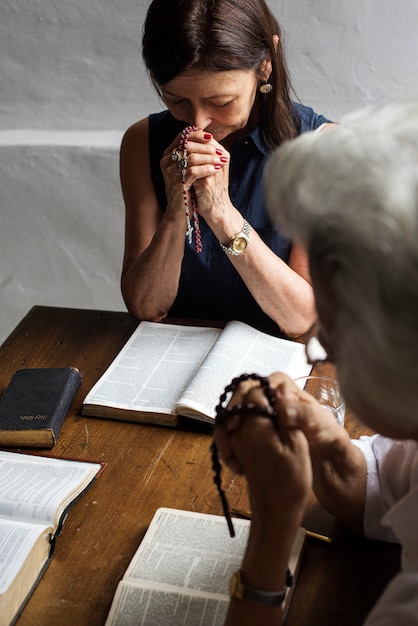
x=239, y=242
x=240, y=591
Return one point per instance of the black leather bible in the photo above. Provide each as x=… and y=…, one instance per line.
x=35, y=404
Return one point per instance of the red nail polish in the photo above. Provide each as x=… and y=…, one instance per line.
x=218, y=167
x=223, y=159
x=218, y=151
x=207, y=136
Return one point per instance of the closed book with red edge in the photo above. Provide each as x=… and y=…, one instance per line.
x=35, y=404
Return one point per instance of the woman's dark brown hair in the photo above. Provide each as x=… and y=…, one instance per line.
x=217, y=36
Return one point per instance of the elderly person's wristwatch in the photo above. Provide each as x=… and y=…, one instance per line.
x=239, y=242
x=240, y=591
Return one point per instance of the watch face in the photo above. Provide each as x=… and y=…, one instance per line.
x=239, y=244
x=235, y=586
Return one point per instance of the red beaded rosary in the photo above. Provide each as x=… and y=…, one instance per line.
x=180, y=155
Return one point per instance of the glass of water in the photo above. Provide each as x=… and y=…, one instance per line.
x=327, y=391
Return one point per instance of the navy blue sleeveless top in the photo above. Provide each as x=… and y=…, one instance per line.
x=210, y=287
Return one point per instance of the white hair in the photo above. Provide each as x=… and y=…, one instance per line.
x=350, y=194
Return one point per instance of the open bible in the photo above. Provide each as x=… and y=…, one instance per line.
x=181, y=570
x=167, y=370
x=36, y=494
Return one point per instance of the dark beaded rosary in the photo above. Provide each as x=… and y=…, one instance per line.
x=222, y=415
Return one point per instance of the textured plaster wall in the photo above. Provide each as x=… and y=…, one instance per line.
x=61, y=222
x=72, y=64
x=347, y=54
x=71, y=80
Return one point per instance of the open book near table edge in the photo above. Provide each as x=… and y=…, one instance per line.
x=29, y=532
x=168, y=370
x=186, y=559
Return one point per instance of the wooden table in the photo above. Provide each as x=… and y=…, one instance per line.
x=149, y=467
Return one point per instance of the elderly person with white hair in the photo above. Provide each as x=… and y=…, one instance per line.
x=350, y=196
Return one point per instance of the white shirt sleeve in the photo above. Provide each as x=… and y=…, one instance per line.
x=392, y=482
x=391, y=465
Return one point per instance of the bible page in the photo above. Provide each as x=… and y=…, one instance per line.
x=38, y=489
x=145, y=604
x=240, y=349
x=191, y=550
x=182, y=566
x=154, y=367
x=17, y=541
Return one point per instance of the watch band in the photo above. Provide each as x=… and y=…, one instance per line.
x=239, y=242
x=240, y=591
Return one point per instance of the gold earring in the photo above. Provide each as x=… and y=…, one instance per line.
x=266, y=88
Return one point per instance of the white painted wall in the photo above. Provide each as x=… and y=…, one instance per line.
x=71, y=80
x=349, y=53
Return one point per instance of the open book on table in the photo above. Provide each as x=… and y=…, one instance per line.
x=181, y=570
x=169, y=370
x=36, y=494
